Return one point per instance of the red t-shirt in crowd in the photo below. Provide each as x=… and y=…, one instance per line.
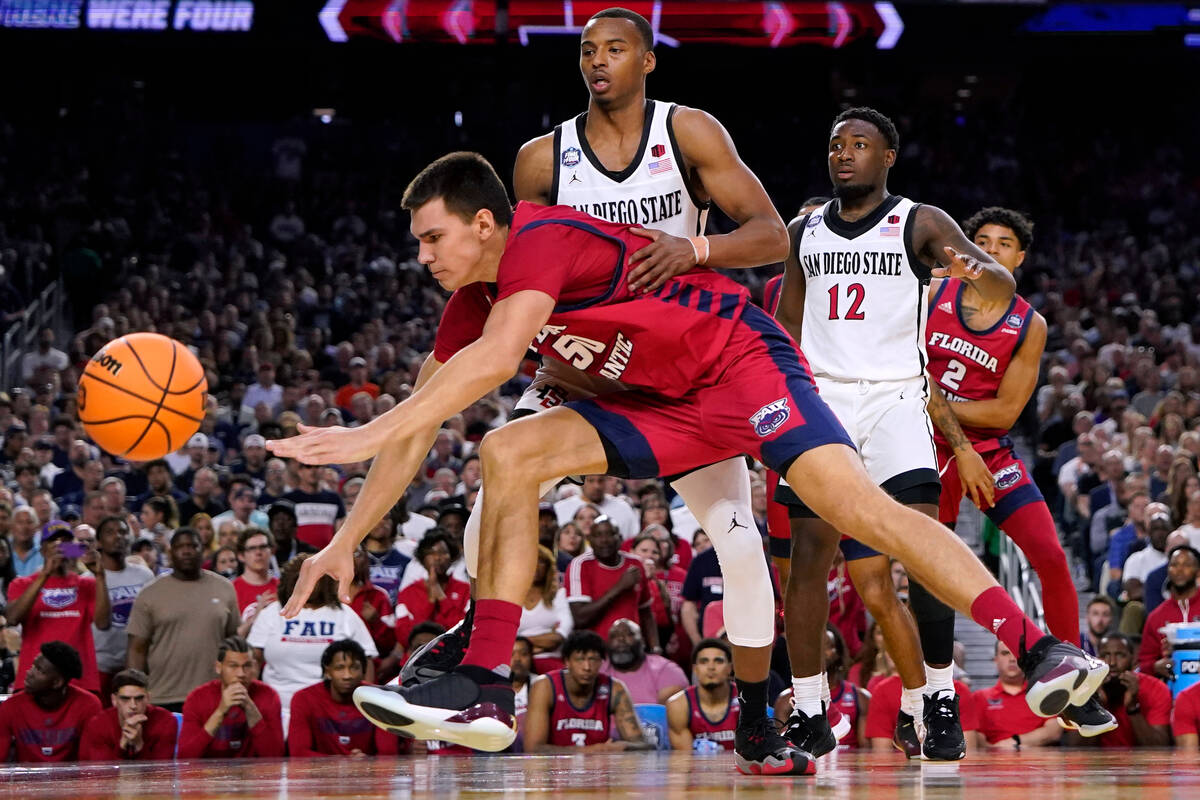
x=413, y=607
x=234, y=739
x=1155, y=699
x=62, y=612
x=1168, y=611
x=320, y=726
x=247, y=593
x=588, y=580
x=381, y=624
x=1185, y=718
x=46, y=735
x=1003, y=715
x=885, y=705
x=102, y=737
x=681, y=558
x=344, y=394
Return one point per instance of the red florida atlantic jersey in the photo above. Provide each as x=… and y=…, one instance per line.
x=722, y=731
x=772, y=291
x=578, y=727
x=670, y=341
x=969, y=364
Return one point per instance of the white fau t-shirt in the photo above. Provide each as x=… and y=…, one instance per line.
x=292, y=648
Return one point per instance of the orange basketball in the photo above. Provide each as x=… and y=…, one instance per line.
x=142, y=396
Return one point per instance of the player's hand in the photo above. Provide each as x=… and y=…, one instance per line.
x=332, y=445
x=961, y=265
x=665, y=257
x=976, y=479
x=334, y=560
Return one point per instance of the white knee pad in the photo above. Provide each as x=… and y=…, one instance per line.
x=719, y=497
x=471, y=533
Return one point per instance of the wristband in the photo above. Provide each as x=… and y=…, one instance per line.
x=699, y=248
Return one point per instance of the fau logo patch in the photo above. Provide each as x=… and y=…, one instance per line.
x=59, y=598
x=1007, y=476
x=771, y=417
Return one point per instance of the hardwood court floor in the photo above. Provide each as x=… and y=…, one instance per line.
x=1031, y=775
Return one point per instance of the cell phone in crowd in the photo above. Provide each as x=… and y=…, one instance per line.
x=72, y=549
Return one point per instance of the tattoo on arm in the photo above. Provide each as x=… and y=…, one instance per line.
x=627, y=721
x=943, y=416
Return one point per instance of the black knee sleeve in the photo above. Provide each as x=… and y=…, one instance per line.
x=935, y=624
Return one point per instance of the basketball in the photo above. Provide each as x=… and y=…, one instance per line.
x=141, y=396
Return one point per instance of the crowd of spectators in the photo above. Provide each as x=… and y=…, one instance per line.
x=131, y=585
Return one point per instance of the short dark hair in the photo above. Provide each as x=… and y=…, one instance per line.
x=1119, y=637
x=641, y=23
x=112, y=520
x=186, y=531
x=710, y=642
x=583, y=641
x=158, y=462
x=232, y=644
x=129, y=677
x=1018, y=223
x=466, y=182
x=527, y=641
x=347, y=646
x=430, y=541
x=24, y=467
x=839, y=643
x=160, y=505
x=64, y=658
x=1104, y=600
x=246, y=533
x=428, y=626
x=885, y=126
x=815, y=200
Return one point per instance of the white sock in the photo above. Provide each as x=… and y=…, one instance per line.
x=806, y=693
x=826, y=697
x=911, y=702
x=939, y=679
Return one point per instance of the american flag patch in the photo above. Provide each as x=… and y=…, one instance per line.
x=661, y=166
x=889, y=230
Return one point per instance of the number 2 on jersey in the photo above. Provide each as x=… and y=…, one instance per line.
x=955, y=372
x=854, y=292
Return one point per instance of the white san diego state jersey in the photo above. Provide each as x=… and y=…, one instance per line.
x=864, y=302
x=653, y=191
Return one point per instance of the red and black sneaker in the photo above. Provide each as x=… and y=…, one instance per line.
x=810, y=734
x=759, y=749
x=439, y=655
x=469, y=705
x=907, y=736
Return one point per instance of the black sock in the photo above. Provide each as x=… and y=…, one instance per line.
x=753, y=699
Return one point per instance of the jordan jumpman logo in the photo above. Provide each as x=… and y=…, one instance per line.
x=734, y=524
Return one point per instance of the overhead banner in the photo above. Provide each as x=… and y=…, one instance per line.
x=675, y=22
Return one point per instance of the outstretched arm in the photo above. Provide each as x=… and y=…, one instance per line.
x=760, y=237
x=938, y=239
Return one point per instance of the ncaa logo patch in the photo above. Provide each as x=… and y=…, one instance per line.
x=771, y=417
x=1008, y=476
x=571, y=156
x=814, y=221
x=59, y=598
x=1013, y=321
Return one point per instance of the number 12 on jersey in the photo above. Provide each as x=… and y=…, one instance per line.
x=854, y=294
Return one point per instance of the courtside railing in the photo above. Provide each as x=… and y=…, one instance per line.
x=1020, y=581
x=21, y=337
